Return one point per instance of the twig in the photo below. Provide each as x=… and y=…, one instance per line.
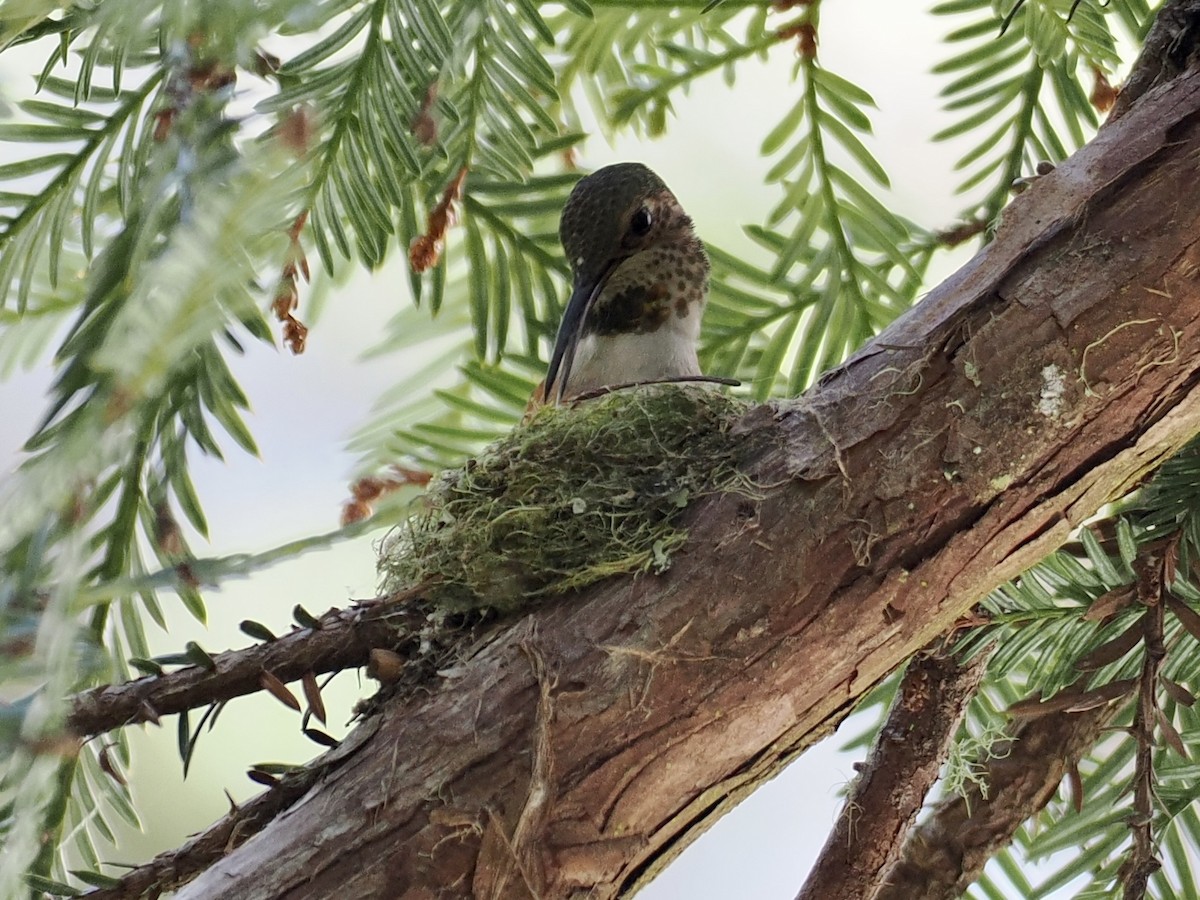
x=1142, y=862
x=343, y=640
x=904, y=763
x=959, y=233
x=678, y=379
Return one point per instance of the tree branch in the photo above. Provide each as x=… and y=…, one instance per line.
x=343, y=640
x=891, y=787
x=1142, y=861
x=948, y=852
x=1171, y=45
x=943, y=855
x=894, y=498
x=177, y=867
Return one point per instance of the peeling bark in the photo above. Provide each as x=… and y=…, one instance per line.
x=578, y=752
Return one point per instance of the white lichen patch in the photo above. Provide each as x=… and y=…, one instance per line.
x=1054, y=385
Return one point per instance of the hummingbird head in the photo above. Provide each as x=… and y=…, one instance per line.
x=635, y=259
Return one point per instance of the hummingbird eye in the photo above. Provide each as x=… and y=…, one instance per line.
x=641, y=222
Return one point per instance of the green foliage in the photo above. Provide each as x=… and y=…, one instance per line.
x=155, y=189
x=1020, y=96
x=1077, y=618
x=857, y=262
x=629, y=63
x=165, y=173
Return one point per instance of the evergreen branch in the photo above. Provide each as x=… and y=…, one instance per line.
x=39, y=225
x=884, y=799
x=141, y=345
x=208, y=571
x=511, y=233
x=1021, y=125
x=1125, y=563
x=1142, y=861
x=484, y=85
x=64, y=177
x=1115, y=563
x=341, y=639
x=630, y=101
x=838, y=226
x=534, y=270
x=398, y=626
x=119, y=537
x=474, y=91
x=348, y=100
x=652, y=46
x=35, y=24
x=701, y=5
x=42, y=780
x=1084, y=28
x=943, y=855
x=847, y=260
x=518, y=238
x=756, y=324
x=989, y=82
x=463, y=427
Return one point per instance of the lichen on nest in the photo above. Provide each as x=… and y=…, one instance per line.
x=575, y=496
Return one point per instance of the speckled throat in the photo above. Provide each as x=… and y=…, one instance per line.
x=664, y=282
x=645, y=324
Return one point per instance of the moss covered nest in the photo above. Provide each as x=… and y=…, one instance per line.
x=576, y=495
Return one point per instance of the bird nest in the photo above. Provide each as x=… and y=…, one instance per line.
x=575, y=496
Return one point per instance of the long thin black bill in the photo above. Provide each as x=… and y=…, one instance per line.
x=569, y=333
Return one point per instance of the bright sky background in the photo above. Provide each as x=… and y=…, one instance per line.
x=305, y=408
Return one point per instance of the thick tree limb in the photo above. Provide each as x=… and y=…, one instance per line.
x=891, y=787
x=1052, y=373
x=943, y=855
x=177, y=867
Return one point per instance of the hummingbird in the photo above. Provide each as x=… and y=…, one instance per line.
x=639, y=285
